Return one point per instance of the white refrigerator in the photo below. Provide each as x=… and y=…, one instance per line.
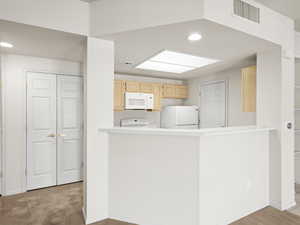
x=180, y=117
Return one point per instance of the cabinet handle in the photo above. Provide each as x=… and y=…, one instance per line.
x=62, y=135
x=52, y=135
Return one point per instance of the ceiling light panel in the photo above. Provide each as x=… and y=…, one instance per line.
x=182, y=59
x=175, y=62
x=163, y=67
x=6, y=45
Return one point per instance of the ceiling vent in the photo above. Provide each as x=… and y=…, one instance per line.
x=247, y=11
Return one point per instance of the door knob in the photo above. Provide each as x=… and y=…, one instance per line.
x=52, y=135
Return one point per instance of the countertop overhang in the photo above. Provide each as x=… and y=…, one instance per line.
x=184, y=132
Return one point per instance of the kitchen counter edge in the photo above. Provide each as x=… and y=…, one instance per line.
x=184, y=132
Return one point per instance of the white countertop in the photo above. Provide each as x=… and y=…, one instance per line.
x=183, y=132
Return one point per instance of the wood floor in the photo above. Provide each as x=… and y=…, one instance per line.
x=62, y=206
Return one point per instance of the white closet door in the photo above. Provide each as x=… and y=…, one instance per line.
x=69, y=129
x=41, y=130
x=213, y=105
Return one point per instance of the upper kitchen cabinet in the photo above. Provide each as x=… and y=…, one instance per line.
x=181, y=91
x=119, y=91
x=132, y=86
x=157, y=92
x=169, y=91
x=175, y=91
x=147, y=87
x=249, y=89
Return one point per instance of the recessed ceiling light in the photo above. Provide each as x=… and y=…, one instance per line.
x=195, y=37
x=6, y=45
x=175, y=62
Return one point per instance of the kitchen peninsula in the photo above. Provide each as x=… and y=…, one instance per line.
x=167, y=176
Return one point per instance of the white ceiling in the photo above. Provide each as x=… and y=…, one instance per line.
x=40, y=42
x=290, y=8
x=231, y=47
x=89, y=1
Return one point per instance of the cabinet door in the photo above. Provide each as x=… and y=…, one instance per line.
x=132, y=86
x=146, y=87
x=181, y=91
x=119, y=91
x=249, y=89
x=169, y=91
x=157, y=96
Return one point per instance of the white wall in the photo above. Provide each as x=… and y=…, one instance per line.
x=99, y=114
x=273, y=26
x=297, y=44
x=152, y=117
x=113, y=16
x=14, y=69
x=275, y=94
x=175, y=180
x=278, y=29
x=234, y=176
x=63, y=15
x=233, y=78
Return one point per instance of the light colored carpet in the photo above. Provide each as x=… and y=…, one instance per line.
x=296, y=209
x=60, y=205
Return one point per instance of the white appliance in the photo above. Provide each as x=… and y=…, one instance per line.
x=180, y=117
x=138, y=101
x=134, y=123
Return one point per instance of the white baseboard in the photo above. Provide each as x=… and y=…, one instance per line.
x=83, y=214
x=290, y=205
x=278, y=205
x=12, y=192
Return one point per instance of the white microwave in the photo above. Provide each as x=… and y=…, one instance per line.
x=139, y=101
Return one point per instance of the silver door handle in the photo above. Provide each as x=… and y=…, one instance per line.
x=52, y=135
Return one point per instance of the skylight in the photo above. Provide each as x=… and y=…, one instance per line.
x=175, y=62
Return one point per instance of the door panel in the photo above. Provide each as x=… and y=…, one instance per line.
x=213, y=105
x=69, y=129
x=41, y=130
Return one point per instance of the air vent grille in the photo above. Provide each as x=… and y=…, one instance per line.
x=247, y=11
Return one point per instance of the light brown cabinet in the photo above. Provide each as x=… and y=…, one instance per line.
x=181, y=91
x=175, y=91
x=132, y=86
x=169, y=91
x=146, y=87
x=249, y=89
x=158, y=90
x=119, y=92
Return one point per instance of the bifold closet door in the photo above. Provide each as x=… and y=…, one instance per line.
x=69, y=129
x=41, y=130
